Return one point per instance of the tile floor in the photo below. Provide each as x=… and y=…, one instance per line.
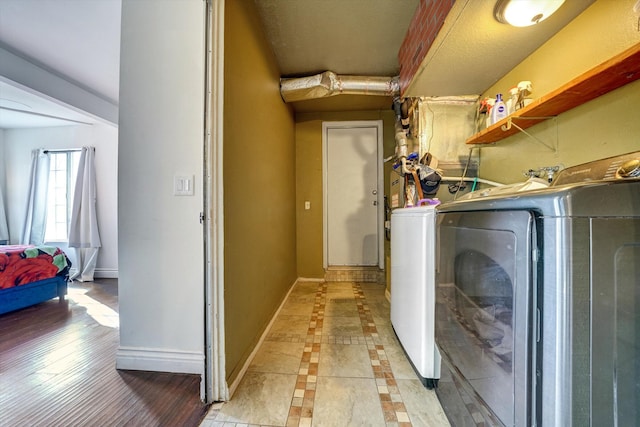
x=331, y=358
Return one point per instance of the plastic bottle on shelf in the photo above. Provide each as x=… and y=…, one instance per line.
x=513, y=100
x=490, y=102
x=499, y=110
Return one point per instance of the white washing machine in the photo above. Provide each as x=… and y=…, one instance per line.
x=413, y=252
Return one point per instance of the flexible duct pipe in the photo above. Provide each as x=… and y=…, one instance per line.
x=330, y=84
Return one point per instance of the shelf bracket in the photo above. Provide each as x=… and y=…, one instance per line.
x=507, y=126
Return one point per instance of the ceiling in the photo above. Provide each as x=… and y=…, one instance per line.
x=362, y=37
x=74, y=39
x=356, y=37
x=79, y=40
x=473, y=50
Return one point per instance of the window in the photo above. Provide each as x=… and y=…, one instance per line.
x=62, y=178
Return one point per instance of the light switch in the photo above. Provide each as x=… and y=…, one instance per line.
x=307, y=205
x=183, y=185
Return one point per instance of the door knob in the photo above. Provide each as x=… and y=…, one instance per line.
x=374, y=192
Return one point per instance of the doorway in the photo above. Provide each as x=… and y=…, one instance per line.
x=353, y=194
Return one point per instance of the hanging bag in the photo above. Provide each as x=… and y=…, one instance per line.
x=429, y=179
x=429, y=176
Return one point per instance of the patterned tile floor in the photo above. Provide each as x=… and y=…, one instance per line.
x=330, y=359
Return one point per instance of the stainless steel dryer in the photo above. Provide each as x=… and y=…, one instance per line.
x=538, y=302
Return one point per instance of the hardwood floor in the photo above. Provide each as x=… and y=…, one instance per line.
x=57, y=368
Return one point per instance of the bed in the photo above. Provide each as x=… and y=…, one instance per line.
x=31, y=274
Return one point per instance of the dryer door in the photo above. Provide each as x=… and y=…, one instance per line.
x=484, y=300
x=615, y=322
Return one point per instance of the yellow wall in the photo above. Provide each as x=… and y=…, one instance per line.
x=604, y=127
x=259, y=185
x=309, y=180
x=273, y=162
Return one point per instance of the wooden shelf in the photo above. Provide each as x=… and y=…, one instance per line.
x=610, y=75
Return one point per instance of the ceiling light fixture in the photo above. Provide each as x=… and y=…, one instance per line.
x=522, y=13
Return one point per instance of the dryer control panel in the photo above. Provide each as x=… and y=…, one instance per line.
x=625, y=166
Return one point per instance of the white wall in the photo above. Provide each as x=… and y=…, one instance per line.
x=3, y=186
x=18, y=144
x=161, y=288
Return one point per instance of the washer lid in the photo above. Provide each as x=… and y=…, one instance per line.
x=415, y=210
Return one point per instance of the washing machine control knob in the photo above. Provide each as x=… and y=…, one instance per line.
x=630, y=169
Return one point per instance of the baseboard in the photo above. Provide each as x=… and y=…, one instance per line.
x=99, y=273
x=309, y=279
x=106, y=273
x=234, y=385
x=159, y=360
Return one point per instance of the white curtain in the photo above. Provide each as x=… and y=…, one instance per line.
x=4, y=230
x=36, y=215
x=83, y=230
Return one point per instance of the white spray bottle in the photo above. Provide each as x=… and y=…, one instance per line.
x=499, y=110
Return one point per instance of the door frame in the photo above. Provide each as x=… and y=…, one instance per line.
x=380, y=184
x=213, y=386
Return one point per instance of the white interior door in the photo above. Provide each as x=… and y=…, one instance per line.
x=352, y=193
